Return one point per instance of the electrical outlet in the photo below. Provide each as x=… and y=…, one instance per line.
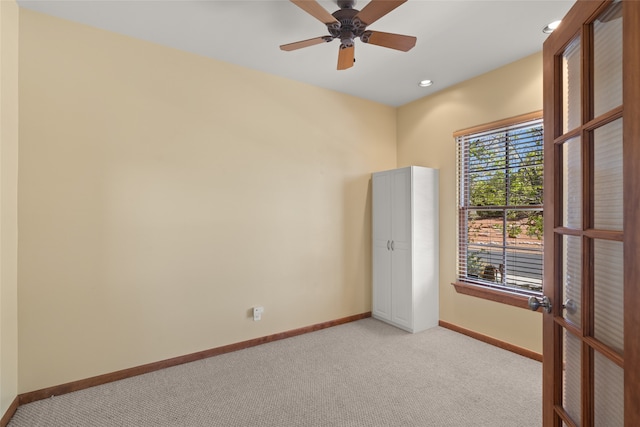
x=257, y=313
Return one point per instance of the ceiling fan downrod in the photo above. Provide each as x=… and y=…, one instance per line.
x=346, y=4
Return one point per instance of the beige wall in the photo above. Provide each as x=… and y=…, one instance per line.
x=8, y=203
x=163, y=194
x=425, y=129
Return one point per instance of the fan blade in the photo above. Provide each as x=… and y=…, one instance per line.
x=346, y=57
x=305, y=43
x=390, y=40
x=314, y=9
x=376, y=9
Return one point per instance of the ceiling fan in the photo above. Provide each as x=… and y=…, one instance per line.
x=348, y=24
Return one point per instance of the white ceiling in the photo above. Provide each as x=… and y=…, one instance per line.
x=457, y=39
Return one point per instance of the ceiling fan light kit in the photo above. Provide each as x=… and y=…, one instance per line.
x=347, y=24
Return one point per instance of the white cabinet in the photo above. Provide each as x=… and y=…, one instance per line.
x=405, y=247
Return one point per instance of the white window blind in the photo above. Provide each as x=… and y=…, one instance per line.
x=500, y=207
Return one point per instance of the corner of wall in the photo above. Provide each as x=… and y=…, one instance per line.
x=9, y=14
x=425, y=130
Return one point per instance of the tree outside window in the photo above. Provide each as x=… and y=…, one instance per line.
x=500, y=206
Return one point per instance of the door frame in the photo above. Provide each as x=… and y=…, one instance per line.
x=631, y=169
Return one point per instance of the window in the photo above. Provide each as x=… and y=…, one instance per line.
x=500, y=205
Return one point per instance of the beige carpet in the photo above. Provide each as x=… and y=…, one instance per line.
x=364, y=373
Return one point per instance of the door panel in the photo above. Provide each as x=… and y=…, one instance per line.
x=572, y=279
x=608, y=393
x=381, y=282
x=607, y=60
x=382, y=208
x=608, y=289
x=608, y=184
x=401, y=251
x=591, y=350
x=381, y=245
x=572, y=183
x=571, y=89
x=571, y=387
x=401, y=220
x=401, y=298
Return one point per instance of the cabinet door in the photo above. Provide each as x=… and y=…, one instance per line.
x=401, y=299
x=401, y=294
x=401, y=208
x=382, y=283
x=382, y=245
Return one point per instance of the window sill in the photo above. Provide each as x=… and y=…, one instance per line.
x=483, y=292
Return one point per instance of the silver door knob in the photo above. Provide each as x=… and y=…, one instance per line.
x=535, y=303
x=571, y=306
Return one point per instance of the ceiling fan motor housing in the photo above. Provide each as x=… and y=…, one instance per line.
x=350, y=27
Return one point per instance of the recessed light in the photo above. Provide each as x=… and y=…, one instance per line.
x=549, y=28
x=425, y=83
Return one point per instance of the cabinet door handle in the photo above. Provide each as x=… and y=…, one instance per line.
x=388, y=245
x=392, y=248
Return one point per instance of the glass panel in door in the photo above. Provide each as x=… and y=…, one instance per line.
x=608, y=393
x=571, y=390
x=608, y=298
x=571, y=87
x=572, y=279
x=607, y=180
x=607, y=60
x=572, y=183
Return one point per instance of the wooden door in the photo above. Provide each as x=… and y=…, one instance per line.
x=591, y=344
